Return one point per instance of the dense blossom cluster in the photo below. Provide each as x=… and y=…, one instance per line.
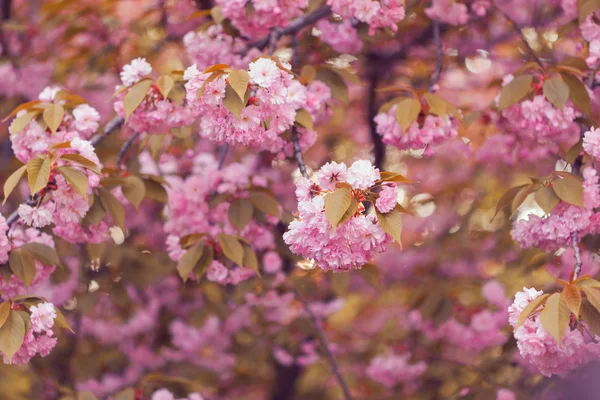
x=392, y=369
x=351, y=244
x=377, y=14
x=39, y=338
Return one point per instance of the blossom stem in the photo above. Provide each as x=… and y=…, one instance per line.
x=327, y=349
x=578, y=262
x=125, y=147
x=298, y=153
x=438, y=55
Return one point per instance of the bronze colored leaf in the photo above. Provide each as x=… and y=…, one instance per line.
x=127, y=394
x=134, y=190
x=407, y=112
x=53, y=116
x=24, y=106
x=19, y=123
x=12, y=181
x=76, y=179
x=240, y=213
x=339, y=89
x=593, y=296
x=546, y=199
x=232, y=248
x=569, y=189
x=134, y=97
x=587, y=281
x=394, y=177
x=38, y=173
x=349, y=212
x=12, y=334
x=591, y=316
x=304, y=118
x=238, y=80
x=42, y=252
x=577, y=92
x=556, y=91
x=555, y=317
x=437, y=105
x=113, y=207
x=336, y=204
x=264, y=202
x=204, y=262
x=531, y=308
x=95, y=214
x=391, y=223
x=250, y=260
x=81, y=160
x=60, y=321
x=572, y=298
x=506, y=199
x=189, y=259
x=155, y=191
x=191, y=239
x=22, y=264
x=521, y=196
x=233, y=103
x=4, y=312
x=165, y=84
x=586, y=8
x=515, y=91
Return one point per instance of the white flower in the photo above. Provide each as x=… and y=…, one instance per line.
x=37, y=217
x=116, y=234
x=84, y=148
x=362, y=174
x=134, y=71
x=42, y=317
x=49, y=93
x=263, y=72
x=191, y=72
x=86, y=118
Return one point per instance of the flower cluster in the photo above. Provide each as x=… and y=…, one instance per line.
x=39, y=338
x=540, y=349
x=341, y=36
x=377, y=14
x=392, y=369
x=165, y=394
x=352, y=243
x=448, y=11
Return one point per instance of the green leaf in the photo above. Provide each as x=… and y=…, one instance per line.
x=555, y=317
x=81, y=160
x=135, y=96
x=557, y=92
x=250, y=260
x=304, y=118
x=42, y=252
x=515, y=91
x=546, y=199
x=232, y=248
x=12, y=181
x=76, y=179
x=577, y=92
x=165, y=84
x=336, y=204
x=113, y=207
x=189, y=259
x=134, y=190
x=264, y=202
x=38, y=173
x=569, y=189
x=240, y=213
x=233, y=103
x=12, y=335
x=22, y=264
x=407, y=112
x=391, y=223
x=238, y=80
x=53, y=116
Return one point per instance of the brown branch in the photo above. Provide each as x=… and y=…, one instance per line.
x=223, y=155
x=125, y=147
x=578, y=262
x=435, y=77
x=298, y=152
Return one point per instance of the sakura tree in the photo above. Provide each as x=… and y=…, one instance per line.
x=300, y=199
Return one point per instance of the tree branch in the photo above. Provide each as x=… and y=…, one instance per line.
x=378, y=146
x=578, y=262
x=298, y=152
x=125, y=147
x=517, y=28
x=435, y=77
x=223, y=155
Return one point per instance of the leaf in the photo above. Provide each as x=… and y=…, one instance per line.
x=572, y=298
x=113, y=207
x=264, y=202
x=305, y=119
x=587, y=281
x=591, y=316
x=394, y=177
x=233, y=103
x=19, y=123
x=555, y=317
x=42, y=252
x=188, y=260
x=308, y=73
x=155, y=191
x=208, y=80
x=53, y=116
x=521, y=196
x=515, y=91
x=165, y=84
x=232, y=248
x=191, y=239
x=95, y=214
x=38, y=173
x=556, y=91
x=250, y=260
x=532, y=306
x=127, y=394
x=336, y=204
x=391, y=223
x=24, y=106
x=60, y=321
x=437, y=105
x=4, y=312
x=217, y=14
x=349, y=212
x=593, y=296
x=81, y=160
x=407, y=112
x=586, y=8
x=84, y=396
x=577, y=92
x=240, y=213
x=204, y=262
x=339, y=89
x=22, y=264
x=569, y=189
x=546, y=199
x=12, y=334
x=76, y=179
x=135, y=96
x=238, y=80
x=134, y=190
x=12, y=181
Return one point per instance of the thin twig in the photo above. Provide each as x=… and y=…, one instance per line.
x=435, y=77
x=126, y=146
x=298, y=153
x=378, y=147
x=294, y=27
x=520, y=32
x=325, y=345
x=578, y=262
x=223, y=155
